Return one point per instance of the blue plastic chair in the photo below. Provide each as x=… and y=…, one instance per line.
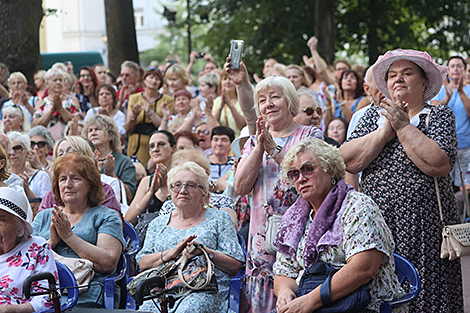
x=120, y=278
x=66, y=279
x=236, y=283
x=404, y=269
x=130, y=235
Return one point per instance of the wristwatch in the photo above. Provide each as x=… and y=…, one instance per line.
x=211, y=255
x=276, y=151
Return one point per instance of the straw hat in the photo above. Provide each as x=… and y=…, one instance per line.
x=434, y=72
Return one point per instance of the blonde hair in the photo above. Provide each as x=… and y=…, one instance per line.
x=77, y=143
x=282, y=85
x=192, y=155
x=326, y=156
x=305, y=79
x=19, y=111
x=18, y=75
x=196, y=170
x=177, y=70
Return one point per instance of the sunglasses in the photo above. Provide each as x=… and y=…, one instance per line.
x=309, y=111
x=18, y=148
x=203, y=132
x=306, y=170
x=40, y=144
x=152, y=146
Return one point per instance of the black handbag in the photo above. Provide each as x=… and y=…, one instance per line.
x=320, y=273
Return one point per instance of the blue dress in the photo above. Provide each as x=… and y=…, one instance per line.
x=339, y=112
x=216, y=232
x=96, y=220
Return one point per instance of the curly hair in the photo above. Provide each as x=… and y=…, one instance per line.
x=4, y=173
x=326, y=156
x=85, y=167
x=108, y=124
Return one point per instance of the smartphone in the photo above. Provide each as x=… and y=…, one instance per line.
x=236, y=51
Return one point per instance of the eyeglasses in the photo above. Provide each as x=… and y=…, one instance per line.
x=309, y=111
x=203, y=132
x=17, y=149
x=40, y=144
x=190, y=186
x=152, y=146
x=306, y=170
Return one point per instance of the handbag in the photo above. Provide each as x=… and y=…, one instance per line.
x=82, y=269
x=320, y=273
x=181, y=276
x=272, y=221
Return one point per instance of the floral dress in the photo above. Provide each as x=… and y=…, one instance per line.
x=259, y=282
x=217, y=232
x=31, y=256
x=363, y=228
x=408, y=202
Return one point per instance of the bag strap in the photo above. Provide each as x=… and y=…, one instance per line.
x=325, y=291
x=210, y=268
x=265, y=186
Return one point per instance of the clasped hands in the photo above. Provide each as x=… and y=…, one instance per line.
x=264, y=139
x=60, y=228
x=396, y=114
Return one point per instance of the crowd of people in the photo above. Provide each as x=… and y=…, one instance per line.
x=345, y=155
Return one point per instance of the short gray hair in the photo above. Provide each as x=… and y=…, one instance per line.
x=309, y=93
x=196, y=170
x=211, y=79
x=53, y=72
x=23, y=138
x=42, y=131
x=132, y=65
x=325, y=155
x=284, y=86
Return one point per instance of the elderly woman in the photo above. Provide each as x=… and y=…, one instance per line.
x=71, y=144
x=399, y=156
x=187, y=113
x=85, y=88
x=79, y=227
x=55, y=110
x=36, y=182
x=192, y=221
x=176, y=78
x=41, y=144
x=17, y=83
x=350, y=95
x=102, y=131
x=144, y=114
x=186, y=140
x=13, y=119
x=277, y=103
x=40, y=83
x=152, y=192
x=22, y=255
x=331, y=223
x=107, y=99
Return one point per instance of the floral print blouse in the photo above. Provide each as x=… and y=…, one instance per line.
x=363, y=228
x=31, y=256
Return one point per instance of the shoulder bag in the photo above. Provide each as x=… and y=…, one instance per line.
x=82, y=269
x=455, y=238
x=272, y=221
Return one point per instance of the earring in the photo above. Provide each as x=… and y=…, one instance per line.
x=333, y=181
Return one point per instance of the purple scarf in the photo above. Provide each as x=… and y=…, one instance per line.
x=295, y=219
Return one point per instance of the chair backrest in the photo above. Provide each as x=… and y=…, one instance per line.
x=130, y=235
x=67, y=279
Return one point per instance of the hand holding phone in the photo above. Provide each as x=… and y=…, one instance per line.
x=236, y=51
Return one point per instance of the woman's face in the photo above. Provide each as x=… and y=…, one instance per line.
x=99, y=136
x=56, y=83
x=295, y=77
x=204, y=89
x=182, y=105
x=184, y=143
x=273, y=106
x=467, y=74
x=310, y=112
x=17, y=155
x=337, y=131
x=152, y=81
x=38, y=82
x=73, y=187
x=175, y=83
x=8, y=232
x=187, y=196
x=227, y=84
x=405, y=81
x=159, y=148
x=203, y=136
x=17, y=84
x=456, y=69
x=349, y=82
x=105, y=98
x=40, y=147
x=316, y=185
x=85, y=78
x=11, y=121
x=64, y=148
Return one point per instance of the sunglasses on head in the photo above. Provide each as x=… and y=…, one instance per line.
x=309, y=111
x=306, y=170
x=40, y=144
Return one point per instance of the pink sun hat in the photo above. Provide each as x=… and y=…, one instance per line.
x=435, y=73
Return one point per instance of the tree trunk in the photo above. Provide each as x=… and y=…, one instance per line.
x=120, y=29
x=19, y=48
x=325, y=29
x=372, y=36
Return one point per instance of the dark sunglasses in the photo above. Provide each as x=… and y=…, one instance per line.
x=40, y=144
x=18, y=148
x=203, y=132
x=152, y=146
x=306, y=170
x=309, y=111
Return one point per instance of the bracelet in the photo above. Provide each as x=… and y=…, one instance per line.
x=342, y=103
x=276, y=151
x=138, y=208
x=161, y=257
x=327, y=108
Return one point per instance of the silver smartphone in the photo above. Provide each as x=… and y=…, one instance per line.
x=236, y=51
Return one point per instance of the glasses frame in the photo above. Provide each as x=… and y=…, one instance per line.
x=186, y=185
x=293, y=175
x=159, y=145
x=309, y=110
x=16, y=148
x=39, y=144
